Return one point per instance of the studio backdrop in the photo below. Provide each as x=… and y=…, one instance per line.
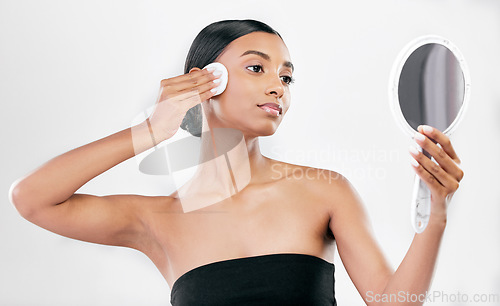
x=72, y=72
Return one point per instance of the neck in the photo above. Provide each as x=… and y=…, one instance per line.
x=229, y=162
x=230, y=159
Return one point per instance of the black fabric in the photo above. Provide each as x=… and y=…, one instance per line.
x=274, y=279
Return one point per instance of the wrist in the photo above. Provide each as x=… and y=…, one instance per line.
x=438, y=220
x=143, y=137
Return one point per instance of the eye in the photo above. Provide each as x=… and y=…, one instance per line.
x=255, y=66
x=288, y=79
x=258, y=68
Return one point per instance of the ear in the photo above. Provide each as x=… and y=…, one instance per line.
x=194, y=69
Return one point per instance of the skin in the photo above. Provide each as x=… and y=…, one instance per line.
x=311, y=203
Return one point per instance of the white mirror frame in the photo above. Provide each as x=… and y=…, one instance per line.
x=396, y=74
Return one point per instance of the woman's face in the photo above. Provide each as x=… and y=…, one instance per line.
x=260, y=71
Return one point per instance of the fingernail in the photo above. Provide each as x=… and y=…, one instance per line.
x=413, y=150
x=213, y=90
x=210, y=69
x=217, y=72
x=216, y=81
x=419, y=136
x=427, y=128
x=413, y=161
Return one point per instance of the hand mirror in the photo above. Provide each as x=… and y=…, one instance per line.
x=429, y=85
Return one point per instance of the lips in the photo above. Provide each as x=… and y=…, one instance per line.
x=273, y=106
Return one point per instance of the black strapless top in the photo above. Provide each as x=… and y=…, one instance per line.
x=274, y=279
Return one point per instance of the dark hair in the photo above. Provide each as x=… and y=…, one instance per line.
x=206, y=47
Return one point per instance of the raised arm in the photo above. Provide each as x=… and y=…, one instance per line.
x=376, y=282
x=46, y=196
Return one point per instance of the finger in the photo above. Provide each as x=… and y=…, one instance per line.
x=188, y=99
x=190, y=81
x=207, y=95
x=434, y=186
x=440, y=138
x=186, y=76
x=171, y=93
x=439, y=154
x=206, y=91
x=192, y=97
x=194, y=78
x=203, y=89
x=434, y=171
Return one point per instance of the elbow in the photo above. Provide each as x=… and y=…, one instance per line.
x=18, y=198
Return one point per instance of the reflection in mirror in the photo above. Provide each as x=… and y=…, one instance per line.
x=431, y=87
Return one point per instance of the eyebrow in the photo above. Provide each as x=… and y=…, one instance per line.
x=266, y=57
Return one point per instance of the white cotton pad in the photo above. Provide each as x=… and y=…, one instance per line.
x=223, y=78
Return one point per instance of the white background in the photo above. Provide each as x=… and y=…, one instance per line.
x=72, y=72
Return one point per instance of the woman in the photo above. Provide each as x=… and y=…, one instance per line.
x=252, y=234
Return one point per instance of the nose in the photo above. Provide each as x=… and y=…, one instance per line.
x=275, y=87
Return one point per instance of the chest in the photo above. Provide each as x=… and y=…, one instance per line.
x=260, y=220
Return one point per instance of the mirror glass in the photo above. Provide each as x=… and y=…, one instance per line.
x=431, y=87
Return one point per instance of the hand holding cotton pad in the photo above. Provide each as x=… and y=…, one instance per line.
x=223, y=78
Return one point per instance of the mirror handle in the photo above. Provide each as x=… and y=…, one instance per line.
x=421, y=203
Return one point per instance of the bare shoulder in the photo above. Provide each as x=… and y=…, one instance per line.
x=328, y=186
x=282, y=169
x=335, y=191
x=317, y=178
x=349, y=223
